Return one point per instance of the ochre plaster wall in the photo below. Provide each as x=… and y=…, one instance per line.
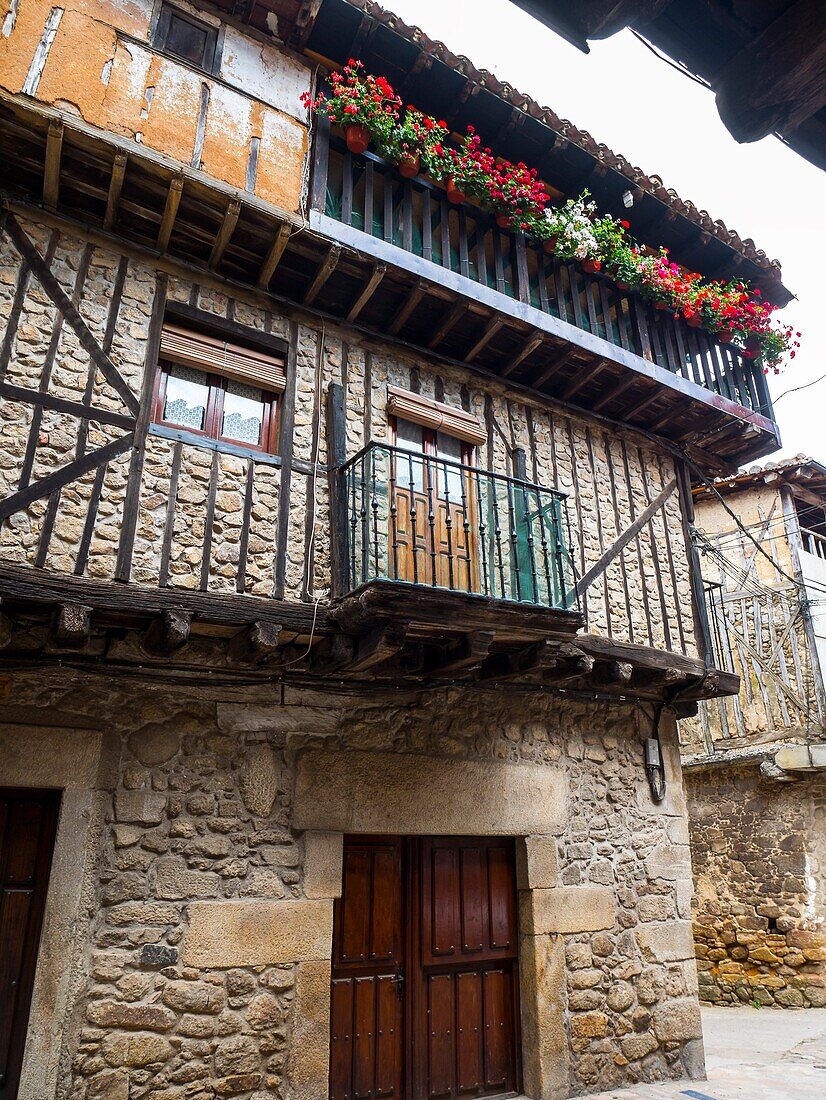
x=101, y=68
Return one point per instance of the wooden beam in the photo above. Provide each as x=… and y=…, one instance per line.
x=628, y=534
x=256, y=643
x=55, y=291
x=168, y=633
x=370, y=288
x=407, y=307
x=72, y=624
x=51, y=170
x=614, y=393
x=552, y=369
x=776, y=81
x=580, y=381
x=530, y=659
x=448, y=321
x=170, y=210
x=377, y=646
x=62, y=404
x=566, y=668
x=490, y=331
x=528, y=348
x=325, y=270
x=467, y=653
x=115, y=188
x=225, y=232
x=6, y=628
x=304, y=22
x=612, y=673
x=273, y=257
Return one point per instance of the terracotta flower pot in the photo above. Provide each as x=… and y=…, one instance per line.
x=549, y=244
x=662, y=306
x=695, y=321
x=357, y=137
x=503, y=221
x=591, y=266
x=724, y=337
x=623, y=286
x=409, y=167
x=454, y=194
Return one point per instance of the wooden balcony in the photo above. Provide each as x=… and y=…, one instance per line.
x=110, y=190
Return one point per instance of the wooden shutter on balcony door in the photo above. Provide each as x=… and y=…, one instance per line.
x=207, y=353
x=435, y=415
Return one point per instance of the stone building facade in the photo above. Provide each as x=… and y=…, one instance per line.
x=754, y=765
x=219, y=689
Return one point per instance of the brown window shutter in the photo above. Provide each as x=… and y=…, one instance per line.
x=206, y=353
x=435, y=415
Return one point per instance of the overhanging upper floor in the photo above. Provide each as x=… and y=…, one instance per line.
x=543, y=327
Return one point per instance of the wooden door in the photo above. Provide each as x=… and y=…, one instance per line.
x=367, y=997
x=28, y=823
x=433, y=510
x=424, y=981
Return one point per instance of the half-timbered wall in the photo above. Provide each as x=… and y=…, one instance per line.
x=242, y=124
x=758, y=612
x=183, y=515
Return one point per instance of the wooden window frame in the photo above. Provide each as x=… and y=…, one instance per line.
x=211, y=56
x=429, y=441
x=213, y=416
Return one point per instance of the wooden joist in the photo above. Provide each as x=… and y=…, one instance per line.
x=168, y=633
x=452, y=316
x=325, y=270
x=378, y=646
x=527, y=349
x=256, y=643
x=461, y=656
x=51, y=173
x=407, y=307
x=72, y=624
x=170, y=211
x=228, y=224
x=115, y=188
x=370, y=287
x=274, y=254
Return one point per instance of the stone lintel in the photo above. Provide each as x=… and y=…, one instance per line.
x=258, y=933
x=407, y=794
x=567, y=909
x=666, y=941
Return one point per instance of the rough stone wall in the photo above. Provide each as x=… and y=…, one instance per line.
x=101, y=68
x=759, y=854
x=200, y=818
x=644, y=596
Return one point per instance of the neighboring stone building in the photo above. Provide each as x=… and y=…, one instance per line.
x=347, y=599
x=755, y=764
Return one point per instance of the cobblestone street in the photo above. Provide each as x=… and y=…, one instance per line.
x=751, y=1054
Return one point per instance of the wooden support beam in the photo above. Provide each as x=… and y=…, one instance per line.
x=776, y=81
x=168, y=633
x=552, y=369
x=72, y=625
x=455, y=312
x=567, y=668
x=325, y=270
x=258, y=642
x=6, y=628
x=612, y=673
x=51, y=170
x=581, y=380
x=467, y=653
x=534, y=658
x=377, y=646
x=170, y=210
x=304, y=22
x=614, y=393
x=528, y=348
x=273, y=257
x=370, y=288
x=115, y=188
x=488, y=334
x=407, y=307
x=628, y=534
x=224, y=236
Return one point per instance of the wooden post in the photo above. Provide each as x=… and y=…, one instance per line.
x=321, y=157
x=336, y=457
x=792, y=526
x=702, y=630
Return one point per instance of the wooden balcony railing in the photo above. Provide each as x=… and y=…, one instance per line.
x=432, y=522
x=367, y=193
x=813, y=543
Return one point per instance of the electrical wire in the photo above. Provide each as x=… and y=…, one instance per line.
x=680, y=68
x=797, y=389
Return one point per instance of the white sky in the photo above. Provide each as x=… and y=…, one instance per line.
x=668, y=125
